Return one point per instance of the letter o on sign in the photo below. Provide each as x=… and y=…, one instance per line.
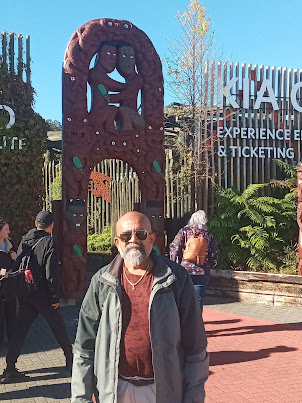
x=12, y=118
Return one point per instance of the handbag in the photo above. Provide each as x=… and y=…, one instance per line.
x=23, y=282
x=196, y=249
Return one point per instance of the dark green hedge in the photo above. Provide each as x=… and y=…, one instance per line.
x=21, y=177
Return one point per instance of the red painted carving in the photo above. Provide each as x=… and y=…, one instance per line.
x=99, y=187
x=113, y=128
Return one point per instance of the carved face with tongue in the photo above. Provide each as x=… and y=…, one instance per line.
x=76, y=214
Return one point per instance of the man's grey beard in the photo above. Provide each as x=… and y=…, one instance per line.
x=134, y=256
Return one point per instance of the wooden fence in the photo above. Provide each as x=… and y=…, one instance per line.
x=124, y=192
x=51, y=173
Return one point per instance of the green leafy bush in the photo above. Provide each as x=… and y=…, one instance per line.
x=290, y=259
x=56, y=186
x=253, y=232
x=100, y=242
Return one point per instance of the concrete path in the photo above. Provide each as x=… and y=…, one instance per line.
x=255, y=350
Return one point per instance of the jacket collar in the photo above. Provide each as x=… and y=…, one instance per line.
x=9, y=246
x=163, y=274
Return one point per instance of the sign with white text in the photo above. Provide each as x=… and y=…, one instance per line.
x=252, y=116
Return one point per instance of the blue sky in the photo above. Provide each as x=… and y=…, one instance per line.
x=259, y=31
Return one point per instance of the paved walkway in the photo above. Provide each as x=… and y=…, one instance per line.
x=255, y=353
x=44, y=363
x=255, y=350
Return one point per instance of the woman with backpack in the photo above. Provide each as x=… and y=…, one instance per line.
x=195, y=249
x=8, y=311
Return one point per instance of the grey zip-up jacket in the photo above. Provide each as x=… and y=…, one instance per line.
x=178, y=339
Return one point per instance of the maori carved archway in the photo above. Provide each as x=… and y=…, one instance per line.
x=112, y=128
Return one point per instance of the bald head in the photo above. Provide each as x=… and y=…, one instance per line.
x=134, y=239
x=128, y=220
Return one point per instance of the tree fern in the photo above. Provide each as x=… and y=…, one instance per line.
x=251, y=230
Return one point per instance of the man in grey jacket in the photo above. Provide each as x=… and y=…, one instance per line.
x=140, y=335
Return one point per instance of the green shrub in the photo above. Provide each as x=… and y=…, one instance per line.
x=100, y=242
x=289, y=259
x=253, y=231
x=56, y=186
x=21, y=179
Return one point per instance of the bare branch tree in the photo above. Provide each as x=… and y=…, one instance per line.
x=186, y=82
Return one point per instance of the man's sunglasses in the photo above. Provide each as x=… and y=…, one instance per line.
x=140, y=234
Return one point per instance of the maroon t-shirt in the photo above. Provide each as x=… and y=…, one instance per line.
x=135, y=348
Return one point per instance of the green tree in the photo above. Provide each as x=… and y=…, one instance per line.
x=53, y=125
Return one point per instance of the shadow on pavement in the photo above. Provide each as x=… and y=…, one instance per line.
x=40, y=337
x=57, y=391
x=222, y=322
x=231, y=357
x=242, y=330
x=219, y=300
x=52, y=373
x=298, y=324
x=43, y=377
x=47, y=369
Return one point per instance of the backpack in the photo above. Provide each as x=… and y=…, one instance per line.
x=25, y=280
x=196, y=249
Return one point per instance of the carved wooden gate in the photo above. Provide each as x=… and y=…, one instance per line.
x=113, y=128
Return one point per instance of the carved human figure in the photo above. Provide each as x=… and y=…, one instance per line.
x=105, y=63
x=128, y=118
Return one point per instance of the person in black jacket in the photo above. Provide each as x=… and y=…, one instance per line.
x=8, y=311
x=44, y=301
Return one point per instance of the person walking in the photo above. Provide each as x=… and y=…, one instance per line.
x=199, y=269
x=140, y=337
x=44, y=301
x=8, y=309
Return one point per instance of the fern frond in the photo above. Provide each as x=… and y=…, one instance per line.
x=252, y=189
x=288, y=169
x=252, y=215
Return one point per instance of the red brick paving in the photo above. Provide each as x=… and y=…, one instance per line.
x=252, y=360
